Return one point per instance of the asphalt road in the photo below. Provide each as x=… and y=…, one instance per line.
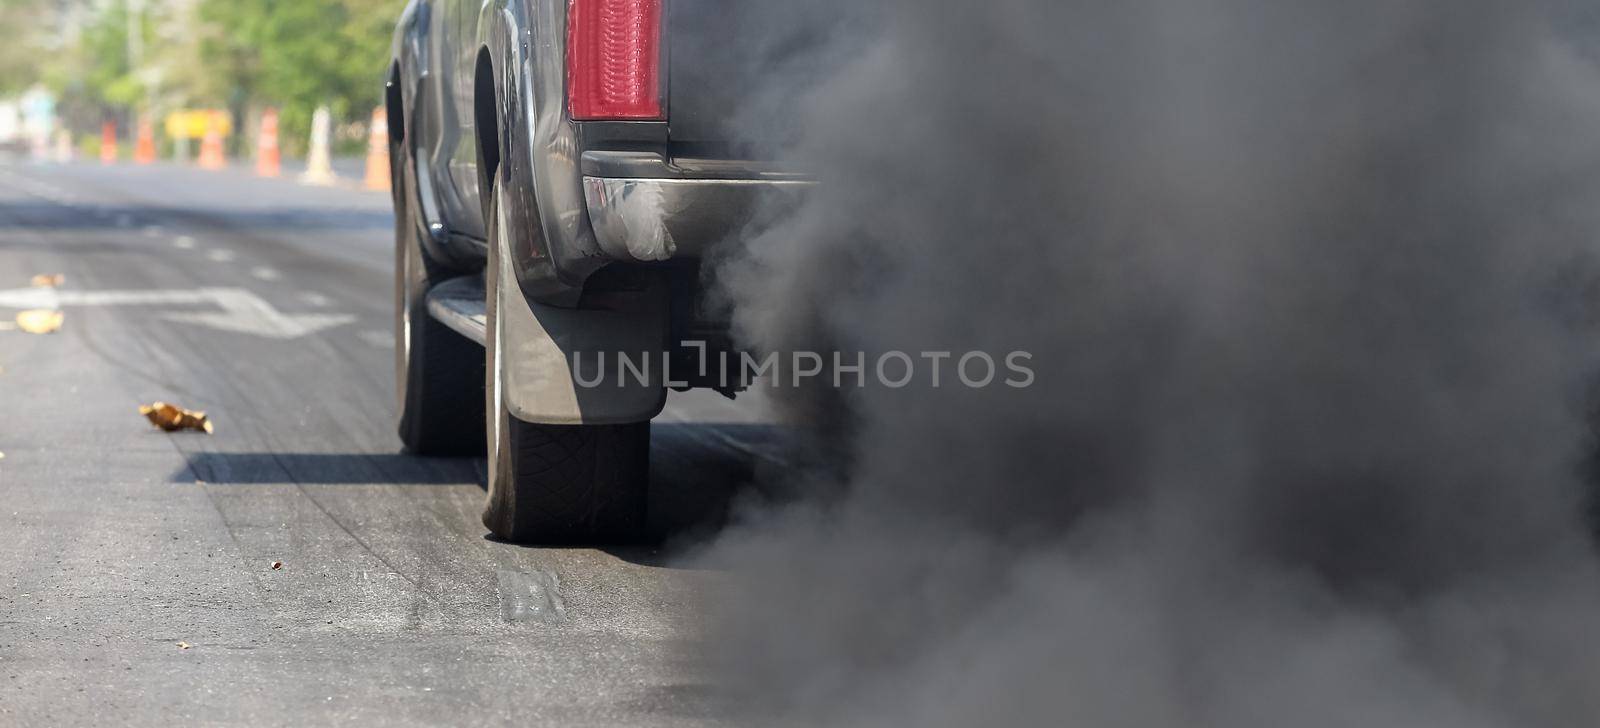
x=136, y=567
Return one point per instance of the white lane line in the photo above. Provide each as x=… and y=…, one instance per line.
x=183, y=242
x=264, y=273
x=314, y=299
x=220, y=256
x=242, y=311
x=54, y=298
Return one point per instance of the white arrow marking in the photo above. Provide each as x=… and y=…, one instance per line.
x=242, y=311
x=245, y=313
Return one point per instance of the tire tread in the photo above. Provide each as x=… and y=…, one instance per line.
x=580, y=483
x=442, y=413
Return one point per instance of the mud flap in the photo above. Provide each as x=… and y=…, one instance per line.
x=545, y=349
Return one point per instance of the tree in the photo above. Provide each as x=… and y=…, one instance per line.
x=300, y=54
x=93, y=74
x=148, y=57
x=25, y=22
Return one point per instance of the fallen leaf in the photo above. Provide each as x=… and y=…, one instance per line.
x=277, y=566
x=184, y=645
x=173, y=418
x=49, y=280
x=40, y=321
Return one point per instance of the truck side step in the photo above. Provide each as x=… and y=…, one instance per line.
x=459, y=304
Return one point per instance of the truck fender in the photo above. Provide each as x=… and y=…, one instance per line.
x=553, y=243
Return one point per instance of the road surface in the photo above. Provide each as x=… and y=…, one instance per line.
x=136, y=567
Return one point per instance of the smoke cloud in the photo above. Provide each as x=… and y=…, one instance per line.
x=1309, y=289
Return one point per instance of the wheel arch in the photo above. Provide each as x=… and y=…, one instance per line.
x=486, y=125
x=394, y=106
x=534, y=148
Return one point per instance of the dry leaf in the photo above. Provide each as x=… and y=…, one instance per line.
x=173, y=418
x=40, y=321
x=184, y=645
x=49, y=280
x=277, y=566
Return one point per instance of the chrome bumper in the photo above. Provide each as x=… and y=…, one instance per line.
x=646, y=219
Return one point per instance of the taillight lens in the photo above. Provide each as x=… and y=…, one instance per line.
x=614, y=59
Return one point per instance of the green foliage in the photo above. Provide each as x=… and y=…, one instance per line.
x=107, y=70
x=243, y=55
x=20, y=53
x=92, y=72
x=298, y=54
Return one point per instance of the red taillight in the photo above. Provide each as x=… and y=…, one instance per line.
x=614, y=59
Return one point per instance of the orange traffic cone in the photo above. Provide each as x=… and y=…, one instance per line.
x=269, y=161
x=108, y=143
x=378, y=151
x=211, y=154
x=145, y=151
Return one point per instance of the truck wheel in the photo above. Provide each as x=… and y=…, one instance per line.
x=439, y=372
x=554, y=484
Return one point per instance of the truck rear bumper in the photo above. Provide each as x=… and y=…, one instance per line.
x=652, y=219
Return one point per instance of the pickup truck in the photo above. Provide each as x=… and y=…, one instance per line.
x=560, y=167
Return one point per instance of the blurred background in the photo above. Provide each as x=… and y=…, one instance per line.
x=76, y=75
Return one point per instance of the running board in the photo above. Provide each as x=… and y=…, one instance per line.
x=459, y=304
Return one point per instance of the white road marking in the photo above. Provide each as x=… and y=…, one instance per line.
x=312, y=298
x=56, y=298
x=29, y=298
x=264, y=273
x=183, y=242
x=242, y=310
x=220, y=256
x=246, y=313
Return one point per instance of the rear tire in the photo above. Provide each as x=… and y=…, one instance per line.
x=439, y=373
x=555, y=484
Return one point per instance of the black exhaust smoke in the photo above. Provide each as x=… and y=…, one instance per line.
x=1308, y=290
